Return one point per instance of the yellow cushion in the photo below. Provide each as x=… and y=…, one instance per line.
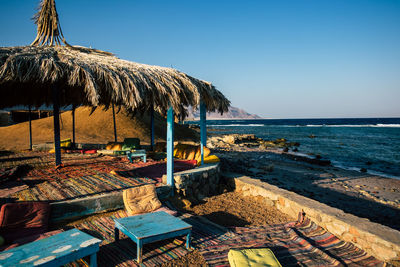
x=209, y=159
x=66, y=143
x=114, y=146
x=190, y=152
x=254, y=257
x=141, y=199
x=52, y=151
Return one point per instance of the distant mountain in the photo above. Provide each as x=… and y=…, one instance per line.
x=233, y=113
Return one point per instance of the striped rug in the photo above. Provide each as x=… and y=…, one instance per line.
x=62, y=189
x=123, y=252
x=301, y=243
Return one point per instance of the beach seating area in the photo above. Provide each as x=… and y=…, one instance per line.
x=113, y=240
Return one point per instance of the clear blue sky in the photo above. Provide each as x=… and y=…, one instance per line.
x=278, y=59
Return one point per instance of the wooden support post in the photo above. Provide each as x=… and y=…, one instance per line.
x=30, y=128
x=203, y=130
x=152, y=128
x=170, y=146
x=73, y=126
x=115, y=125
x=56, y=117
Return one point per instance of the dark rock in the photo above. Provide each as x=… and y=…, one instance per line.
x=363, y=170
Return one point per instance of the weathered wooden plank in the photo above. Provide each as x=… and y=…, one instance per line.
x=151, y=227
x=151, y=224
x=170, y=147
x=52, y=251
x=203, y=130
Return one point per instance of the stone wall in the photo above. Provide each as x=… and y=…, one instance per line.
x=378, y=240
x=197, y=183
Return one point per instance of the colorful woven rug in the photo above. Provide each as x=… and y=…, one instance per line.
x=123, y=252
x=73, y=187
x=301, y=243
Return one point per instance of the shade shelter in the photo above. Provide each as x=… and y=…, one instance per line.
x=52, y=72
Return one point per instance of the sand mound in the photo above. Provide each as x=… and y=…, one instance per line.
x=95, y=128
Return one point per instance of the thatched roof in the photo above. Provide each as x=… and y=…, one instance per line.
x=91, y=77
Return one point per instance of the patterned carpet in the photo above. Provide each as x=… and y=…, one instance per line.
x=123, y=252
x=81, y=175
x=301, y=243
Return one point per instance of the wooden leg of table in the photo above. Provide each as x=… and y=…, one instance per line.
x=139, y=252
x=188, y=240
x=116, y=234
x=93, y=260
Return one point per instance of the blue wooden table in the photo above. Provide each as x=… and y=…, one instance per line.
x=151, y=227
x=137, y=153
x=55, y=250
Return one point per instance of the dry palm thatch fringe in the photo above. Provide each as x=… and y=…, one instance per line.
x=91, y=77
x=48, y=25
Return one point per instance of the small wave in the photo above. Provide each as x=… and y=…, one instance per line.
x=353, y=125
x=369, y=171
x=236, y=125
x=388, y=125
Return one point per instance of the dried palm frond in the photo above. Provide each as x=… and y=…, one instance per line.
x=91, y=77
x=48, y=26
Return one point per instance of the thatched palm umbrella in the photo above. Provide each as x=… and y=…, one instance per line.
x=49, y=73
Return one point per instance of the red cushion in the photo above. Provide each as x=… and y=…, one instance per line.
x=22, y=219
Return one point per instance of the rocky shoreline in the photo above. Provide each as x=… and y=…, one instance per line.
x=368, y=196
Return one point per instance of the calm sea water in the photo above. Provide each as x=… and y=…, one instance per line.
x=373, y=144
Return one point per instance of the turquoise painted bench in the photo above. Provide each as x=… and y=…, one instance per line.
x=135, y=154
x=55, y=250
x=151, y=227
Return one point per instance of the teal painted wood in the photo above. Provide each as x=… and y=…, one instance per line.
x=170, y=146
x=152, y=227
x=203, y=130
x=136, y=154
x=56, y=250
x=56, y=122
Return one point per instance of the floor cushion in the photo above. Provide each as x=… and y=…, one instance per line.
x=114, y=146
x=209, y=159
x=23, y=219
x=190, y=152
x=141, y=199
x=252, y=257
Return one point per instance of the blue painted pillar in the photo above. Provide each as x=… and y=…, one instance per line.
x=152, y=128
x=115, y=125
x=170, y=146
x=56, y=120
x=30, y=128
x=203, y=130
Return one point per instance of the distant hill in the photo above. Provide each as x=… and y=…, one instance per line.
x=233, y=113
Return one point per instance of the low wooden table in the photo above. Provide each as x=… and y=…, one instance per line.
x=141, y=153
x=55, y=250
x=151, y=227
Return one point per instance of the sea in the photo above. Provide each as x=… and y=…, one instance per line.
x=370, y=143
